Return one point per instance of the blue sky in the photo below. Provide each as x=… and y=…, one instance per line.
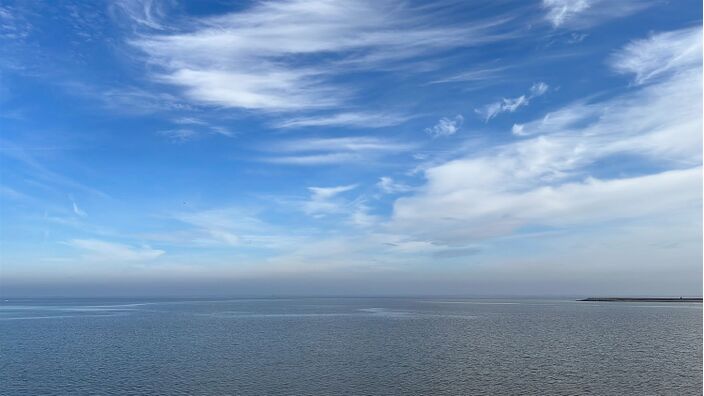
x=363, y=147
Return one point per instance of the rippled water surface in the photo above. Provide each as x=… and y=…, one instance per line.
x=349, y=346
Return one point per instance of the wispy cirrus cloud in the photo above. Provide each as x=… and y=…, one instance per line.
x=355, y=143
x=128, y=99
x=144, y=13
x=349, y=119
x=233, y=228
x=323, y=200
x=282, y=56
x=13, y=25
x=179, y=135
x=99, y=250
x=78, y=211
x=660, y=55
x=331, y=201
x=191, y=128
x=229, y=226
x=581, y=14
x=657, y=119
x=316, y=159
x=446, y=127
x=35, y=168
x=477, y=75
x=389, y=186
x=319, y=151
x=510, y=105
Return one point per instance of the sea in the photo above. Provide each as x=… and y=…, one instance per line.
x=349, y=346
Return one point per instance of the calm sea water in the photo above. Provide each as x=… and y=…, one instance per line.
x=349, y=346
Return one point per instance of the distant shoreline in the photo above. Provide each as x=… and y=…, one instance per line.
x=645, y=299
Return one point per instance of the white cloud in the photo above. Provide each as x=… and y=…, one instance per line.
x=560, y=11
x=317, y=151
x=179, y=135
x=577, y=37
x=11, y=193
x=581, y=14
x=389, y=186
x=316, y=159
x=446, y=127
x=148, y=13
x=322, y=200
x=222, y=131
x=228, y=226
x=538, y=89
x=109, y=251
x=195, y=130
x=357, y=143
x=351, y=120
x=478, y=75
x=362, y=218
x=35, y=169
x=189, y=121
x=77, y=210
x=562, y=119
x=323, y=193
x=130, y=100
x=511, y=104
x=487, y=208
x=13, y=25
x=660, y=55
x=518, y=130
x=282, y=56
x=544, y=178
x=656, y=121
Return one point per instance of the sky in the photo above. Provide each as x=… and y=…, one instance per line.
x=314, y=147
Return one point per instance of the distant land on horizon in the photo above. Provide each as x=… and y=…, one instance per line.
x=643, y=299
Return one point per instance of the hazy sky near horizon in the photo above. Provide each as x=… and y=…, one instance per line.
x=351, y=147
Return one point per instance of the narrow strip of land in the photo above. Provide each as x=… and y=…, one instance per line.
x=643, y=299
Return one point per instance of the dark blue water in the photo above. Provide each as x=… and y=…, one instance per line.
x=349, y=346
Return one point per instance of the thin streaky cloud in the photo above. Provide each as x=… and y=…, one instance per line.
x=38, y=170
x=318, y=159
x=352, y=143
x=359, y=150
x=78, y=211
x=350, y=120
x=481, y=75
x=100, y=250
